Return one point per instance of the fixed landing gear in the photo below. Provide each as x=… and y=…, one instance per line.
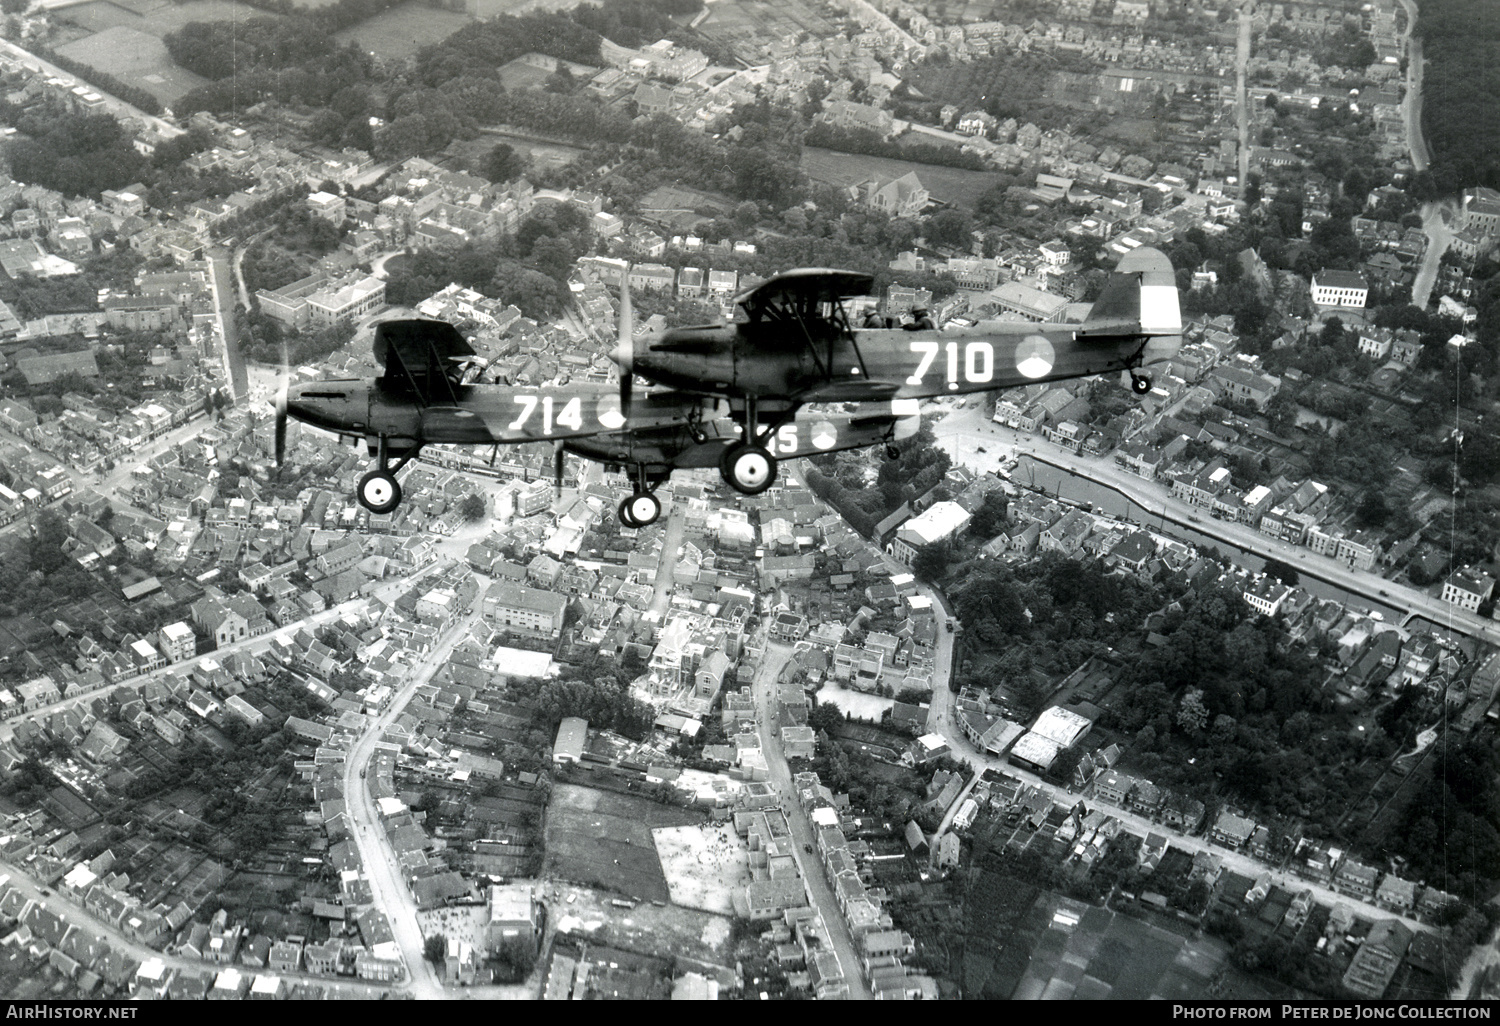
x=747, y=466
x=748, y=469
x=1139, y=383
x=892, y=453
x=640, y=510
x=379, y=491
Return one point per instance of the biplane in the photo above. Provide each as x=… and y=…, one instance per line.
x=792, y=343
x=426, y=394
x=739, y=396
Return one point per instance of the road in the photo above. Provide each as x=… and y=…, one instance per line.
x=221, y=279
x=1436, y=217
x=380, y=861
x=1412, y=102
x=671, y=549
x=1242, y=97
x=766, y=703
x=970, y=425
x=116, y=106
x=941, y=719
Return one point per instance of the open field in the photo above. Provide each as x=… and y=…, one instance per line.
x=704, y=865
x=402, y=31
x=486, y=9
x=467, y=153
x=947, y=184
x=522, y=74
x=857, y=704
x=659, y=930
x=1088, y=952
x=462, y=922
x=604, y=839
x=157, y=19
x=136, y=58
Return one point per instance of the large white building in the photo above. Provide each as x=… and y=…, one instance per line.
x=1468, y=588
x=1339, y=290
x=941, y=520
x=524, y=610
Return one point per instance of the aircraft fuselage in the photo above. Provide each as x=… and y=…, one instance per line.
x=776, y=361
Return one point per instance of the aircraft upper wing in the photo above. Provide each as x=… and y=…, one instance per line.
x=802, y=288
x=420, y=357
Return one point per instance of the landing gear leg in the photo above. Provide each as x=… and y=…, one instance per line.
x=379, y=491
x=642, y=508
x=747, y=466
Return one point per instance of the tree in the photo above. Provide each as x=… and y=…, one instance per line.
x=989, y=518
x=435, y=948
x=1282, y=571
x=1192, y=715
x=502, y=164
x=930, y=564
x=1372, y=511
x=473, y=508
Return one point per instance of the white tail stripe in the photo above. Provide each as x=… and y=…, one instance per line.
x=1159, y=310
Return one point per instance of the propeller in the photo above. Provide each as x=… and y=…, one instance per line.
x=557, y=465
x=283, y=382
x=624, y=353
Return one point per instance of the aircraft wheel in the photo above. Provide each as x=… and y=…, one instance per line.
x=892, y=453
x=624, y=514
x=1140, y=384
x=379, y=492
x=642, y=509
x=748, y=469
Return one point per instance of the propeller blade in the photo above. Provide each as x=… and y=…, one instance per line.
x=281, y=390
x=557, y=464
x=625, y=351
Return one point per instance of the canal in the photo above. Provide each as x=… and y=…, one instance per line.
x=1030, y=473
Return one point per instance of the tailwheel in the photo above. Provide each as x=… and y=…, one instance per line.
x=749, y=469
x=379, y=491
x=641, y=509
x=1140, y=384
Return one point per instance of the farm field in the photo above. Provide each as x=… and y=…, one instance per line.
x=603, y=839
x=136, y=58
x=952, y=185
x=402, y=31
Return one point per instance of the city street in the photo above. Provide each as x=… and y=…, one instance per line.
x=765, y=691
x=380, y=862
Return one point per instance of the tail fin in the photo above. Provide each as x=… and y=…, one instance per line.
x=1139, y=298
